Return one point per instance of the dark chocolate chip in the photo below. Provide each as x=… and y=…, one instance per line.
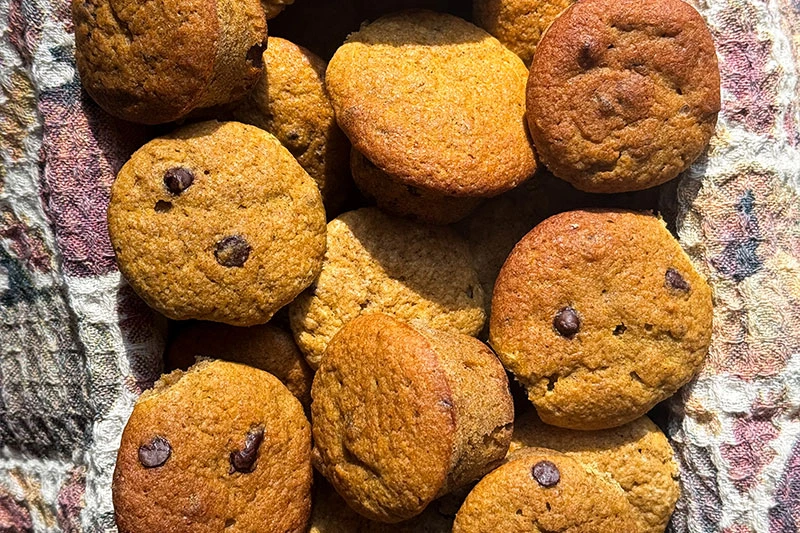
x=255, y=55
x=178, y=179
x=244, y=460
x=674, y=280
x=585, y=56
x=470, y=292
x=546, y=474
x=232, y=251
x=567, y=323
x=620, y=329
x=155, y=453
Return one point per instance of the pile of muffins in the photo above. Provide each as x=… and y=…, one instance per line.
x=364, y=257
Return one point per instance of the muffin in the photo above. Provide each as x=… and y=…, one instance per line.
x=403, y=414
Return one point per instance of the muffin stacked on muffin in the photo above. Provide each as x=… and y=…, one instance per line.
x=403, y=414
x=436, y=106
x=366, y=324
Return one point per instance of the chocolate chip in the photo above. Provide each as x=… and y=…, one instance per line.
x=567, y=323
x=585, y=56
x=178, y=179
x=674, y=280
x=255, y=55
x=546, y=474
x=244, y=460
x=232, y=251
x=155, y=453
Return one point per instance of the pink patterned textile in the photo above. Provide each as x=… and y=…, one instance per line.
x=77, y=346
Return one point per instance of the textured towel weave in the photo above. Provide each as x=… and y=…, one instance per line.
x=77, y=346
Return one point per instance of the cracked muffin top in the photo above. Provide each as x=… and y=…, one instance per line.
x=623, y=94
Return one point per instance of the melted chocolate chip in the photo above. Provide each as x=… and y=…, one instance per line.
x=567, y=323
x=674, y=280
x=232, y=251
x=546, y=474
x=244, y=460
x=155, y=453
x=255, y=55
x=178, y=179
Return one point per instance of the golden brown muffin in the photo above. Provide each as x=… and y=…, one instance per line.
x=637, y=456
x=435, y=102
x=543, y=491
x=623, y=94
x=404, y=414
x=153, y=62
x=265, y=347
x=601, y=315
x=518, y=24
x=406, y=200
x=330, y=514
x=378, y=263
x=290, y=102
x=217, y=221
x=221, y=447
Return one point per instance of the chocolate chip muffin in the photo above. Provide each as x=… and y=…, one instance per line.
x=404, y=200
x=154, y=62
x=623, y=95
x=518, y=24
x=404, y=414
x=601, y=315
x=218, y=222
x=265, y=347
x=378, y=263
x=290, y=102
x=221, y=447
x=435, y=102
x=542, y=491
x=330, y=514
x=637, y=456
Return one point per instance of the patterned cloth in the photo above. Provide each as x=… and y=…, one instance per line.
x=77, y=346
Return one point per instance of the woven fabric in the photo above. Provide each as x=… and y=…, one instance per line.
x=77, y=346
